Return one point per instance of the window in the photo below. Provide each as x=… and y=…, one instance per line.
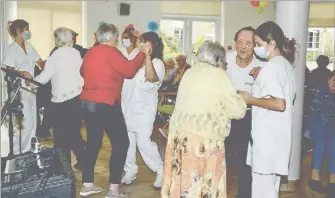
x=313, y=41
x=184, y=35
x=172, y=33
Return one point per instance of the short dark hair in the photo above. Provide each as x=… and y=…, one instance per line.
x=322, y=61
x=248, y=28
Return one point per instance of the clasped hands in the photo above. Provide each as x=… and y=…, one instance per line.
x=245, y=95
x=26, y=75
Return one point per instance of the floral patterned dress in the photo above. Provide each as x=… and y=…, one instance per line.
x=195, y=164
x=194, y=167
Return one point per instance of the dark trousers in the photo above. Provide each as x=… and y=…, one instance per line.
x=44, y=126
x=101, y=117
x=67, y=128
x=238, y=142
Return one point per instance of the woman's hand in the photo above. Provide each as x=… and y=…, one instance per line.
x=26, y=74
x=245, y=95
x=136, y=33
x=146, y=48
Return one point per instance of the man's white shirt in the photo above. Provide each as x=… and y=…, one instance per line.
x=240, y=75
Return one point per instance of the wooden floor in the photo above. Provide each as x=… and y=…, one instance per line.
x=142, y=187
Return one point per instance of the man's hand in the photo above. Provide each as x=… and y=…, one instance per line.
x=254, y=72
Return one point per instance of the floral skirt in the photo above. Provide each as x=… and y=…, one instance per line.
x=194, y=167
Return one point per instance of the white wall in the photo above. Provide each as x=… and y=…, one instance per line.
x=238, y=14
x=45, y=17
x=140, y=14
x=196, y=8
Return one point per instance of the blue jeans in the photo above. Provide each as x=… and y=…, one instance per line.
x=323, y=136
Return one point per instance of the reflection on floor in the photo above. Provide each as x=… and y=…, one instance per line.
x=142, y=187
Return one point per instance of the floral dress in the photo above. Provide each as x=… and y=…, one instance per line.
x=194, y=167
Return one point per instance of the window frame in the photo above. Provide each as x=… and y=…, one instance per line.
x=315, y=40
x=188, y=29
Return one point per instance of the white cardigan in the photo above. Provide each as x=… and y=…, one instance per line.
x=63, y=69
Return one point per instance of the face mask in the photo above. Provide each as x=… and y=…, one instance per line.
x=27, y=35
x=126, y=42
x=261, y=52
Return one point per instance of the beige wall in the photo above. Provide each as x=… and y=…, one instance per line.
x=45, y=17
x=196, y=8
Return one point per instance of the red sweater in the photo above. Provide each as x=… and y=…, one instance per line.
x=104, y=69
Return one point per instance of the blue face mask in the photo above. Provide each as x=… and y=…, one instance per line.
x=27, y=35
x=261, y=52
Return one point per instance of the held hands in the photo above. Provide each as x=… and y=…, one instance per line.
x=245, y=95
x=254, y=72
x=136, y=33
x=26, y=75
x=146, y=48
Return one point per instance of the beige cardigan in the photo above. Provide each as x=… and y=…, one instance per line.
x=206, y=103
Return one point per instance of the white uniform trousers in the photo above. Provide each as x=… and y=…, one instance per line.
x=148, y=149
x=29, y=121
x=265, y=186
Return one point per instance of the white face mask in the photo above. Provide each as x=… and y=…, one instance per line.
x=126, y=42
x=261, y=52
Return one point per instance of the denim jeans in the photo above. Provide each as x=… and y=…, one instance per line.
x=102, y=117
x=323, y=136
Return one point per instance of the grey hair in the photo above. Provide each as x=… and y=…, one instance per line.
x=106, y=32
x=63, y=37
x=212, y=53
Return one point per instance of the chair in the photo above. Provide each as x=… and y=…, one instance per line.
x=165, y=109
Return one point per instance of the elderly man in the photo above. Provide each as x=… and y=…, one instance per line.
x=242, y=67
x=182, y=67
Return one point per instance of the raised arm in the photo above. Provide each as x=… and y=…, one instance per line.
x=126, y=68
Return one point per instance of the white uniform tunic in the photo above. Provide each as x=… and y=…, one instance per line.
x=139, y=106
x=16, y=57
x=271, y=130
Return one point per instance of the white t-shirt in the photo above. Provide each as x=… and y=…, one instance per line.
x=271, y=130
x=240, y=75
x=63, y=69
x=16, y=57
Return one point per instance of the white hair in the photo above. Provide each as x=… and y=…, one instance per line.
x=212, y=53
x=63, y=37
x=106, y=32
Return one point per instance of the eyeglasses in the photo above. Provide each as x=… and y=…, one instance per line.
x=246, y=44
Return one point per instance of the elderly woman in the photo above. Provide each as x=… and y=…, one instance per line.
x=195, y=154
x=62, y=68
x=104, y=70
x=321, y=124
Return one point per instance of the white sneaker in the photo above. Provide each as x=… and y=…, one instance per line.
x=128, y=178
x=159, y=179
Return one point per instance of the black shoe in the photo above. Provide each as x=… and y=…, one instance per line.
x=316, y=186
x=78, y=166
x=330, y=190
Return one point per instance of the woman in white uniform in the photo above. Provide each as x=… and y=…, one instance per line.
x=139, y=105
x=21, y=56
x=272, y=99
